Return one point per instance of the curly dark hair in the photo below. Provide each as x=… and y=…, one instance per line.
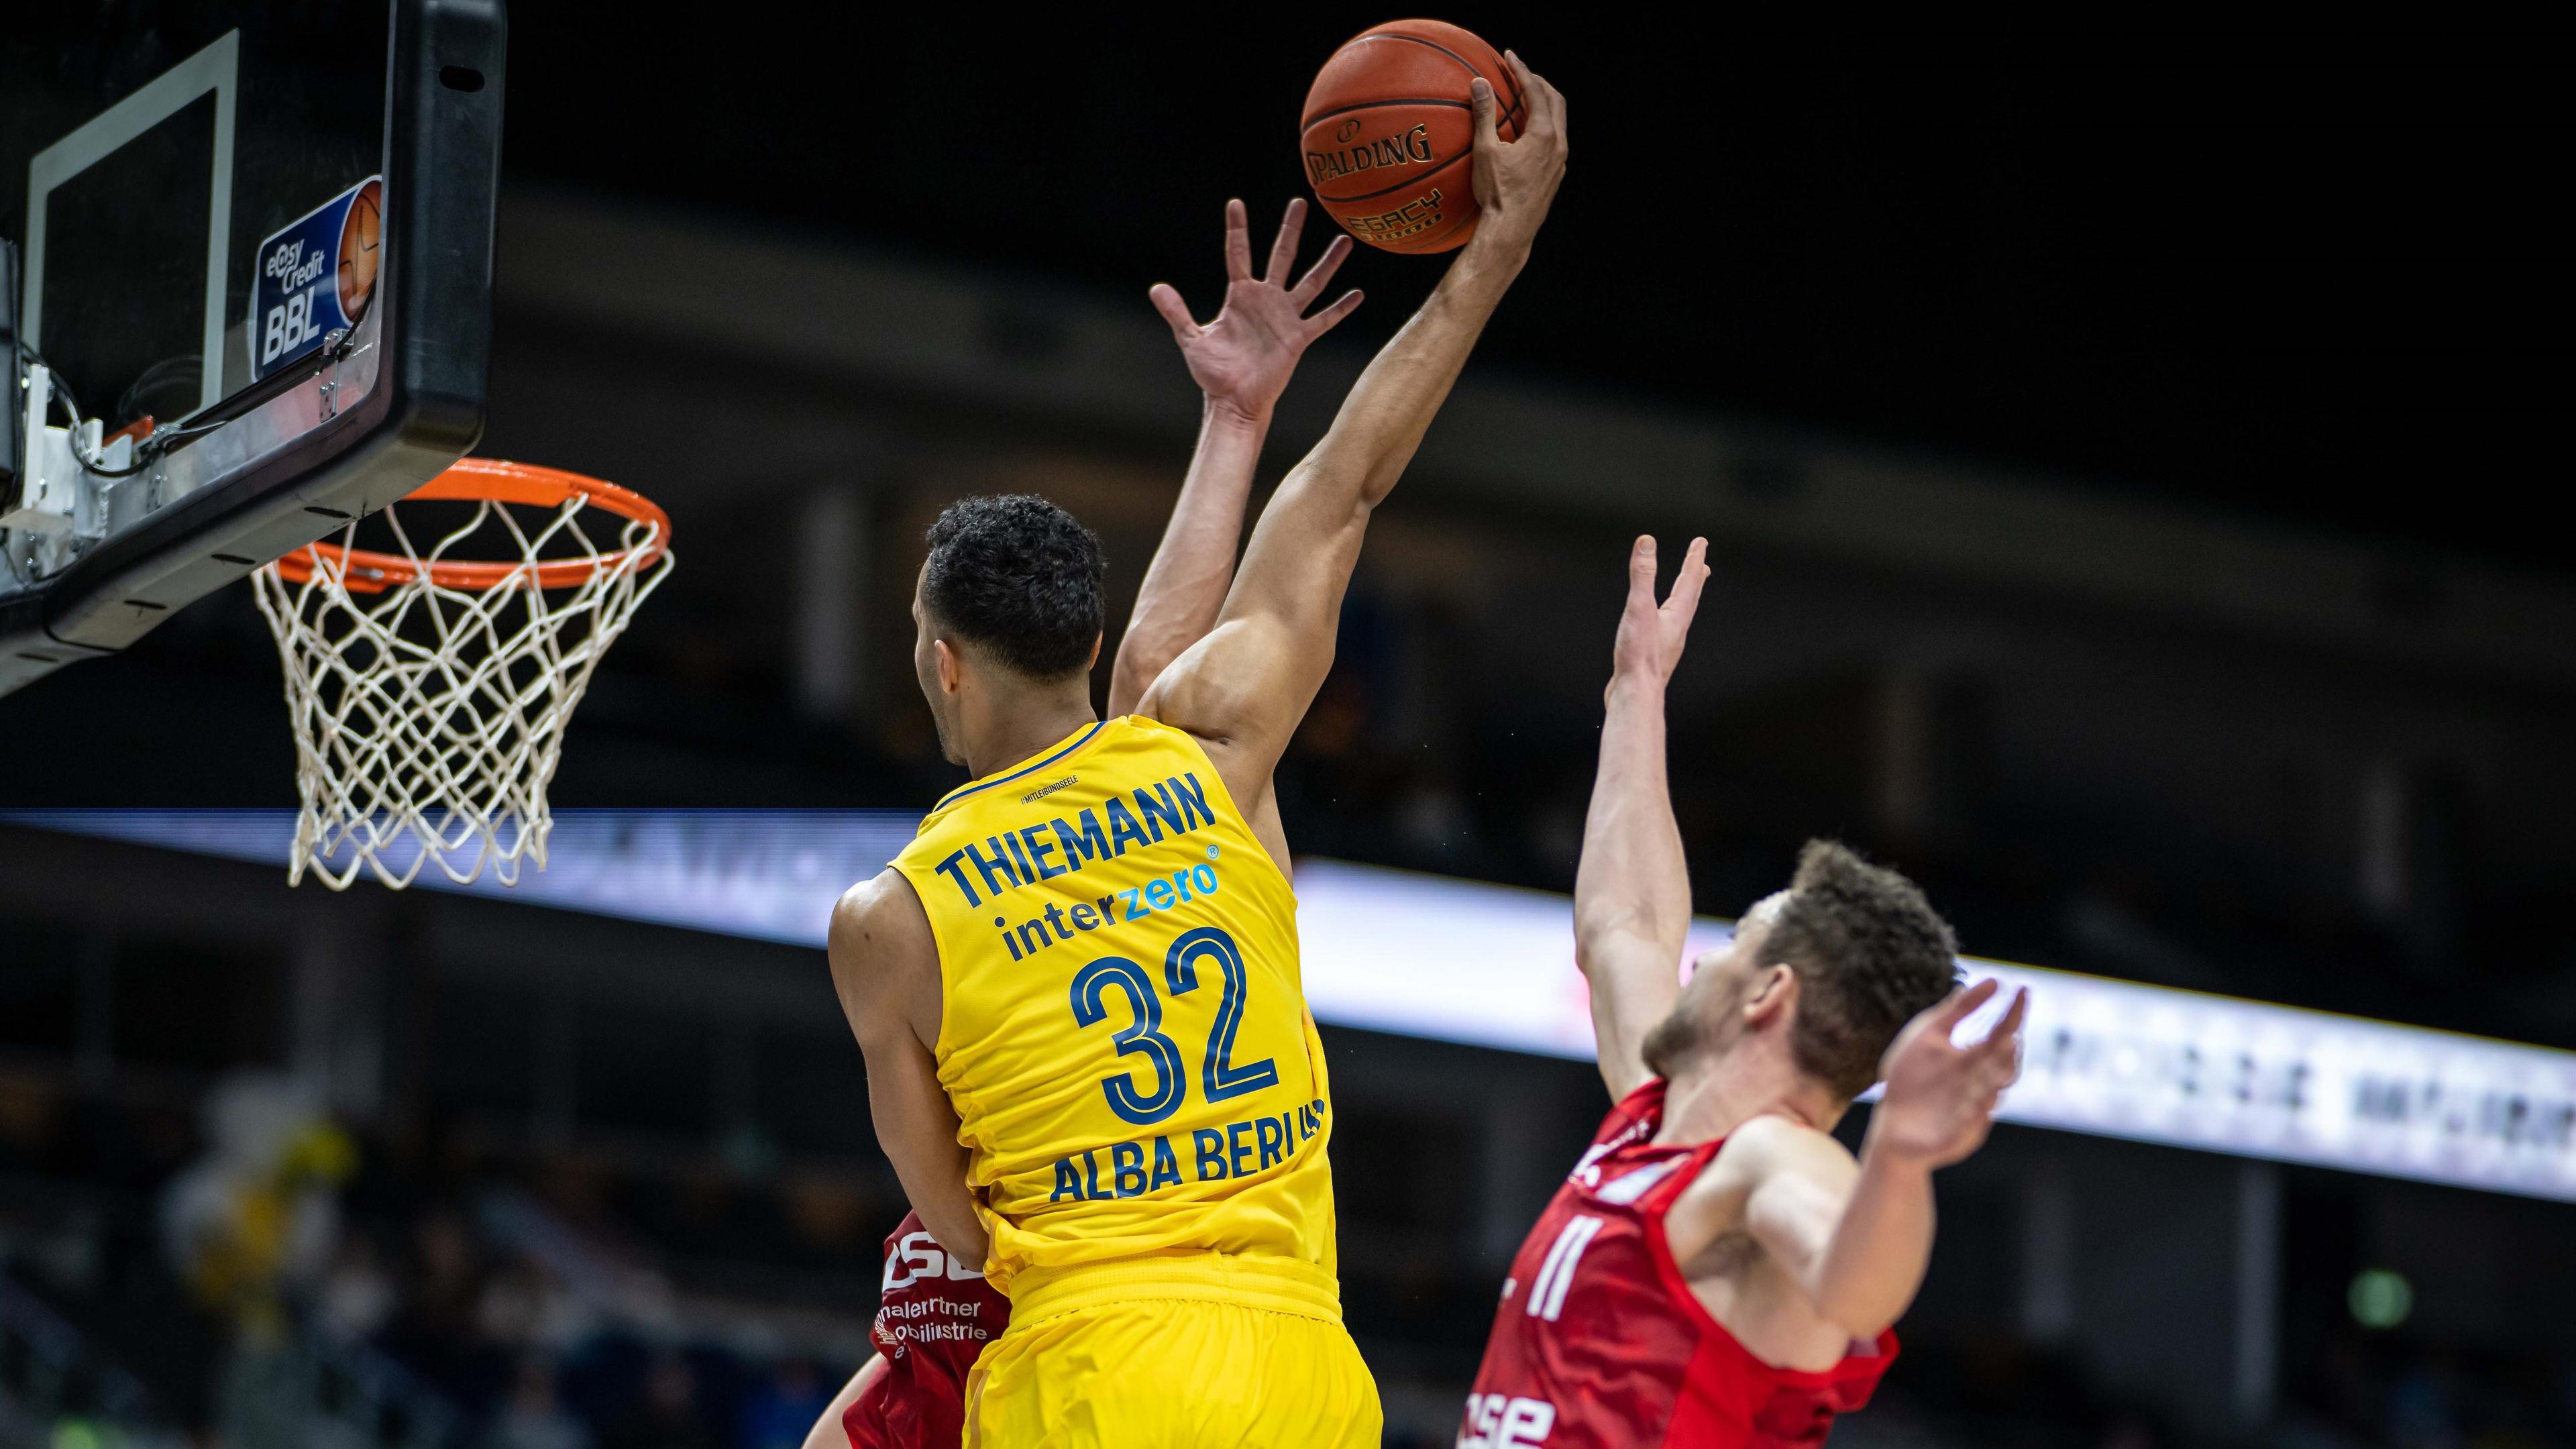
x=1020, y=579
x=1870, y=953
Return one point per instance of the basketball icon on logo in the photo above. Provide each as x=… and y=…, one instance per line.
x=361, y=235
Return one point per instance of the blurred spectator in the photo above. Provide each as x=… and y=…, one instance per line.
x=255, y=1217
x=533, y=1417
x=523, y=1306
x=779, y=1411
x=357, y=1295
x=434, y=1331
x=668, y=1417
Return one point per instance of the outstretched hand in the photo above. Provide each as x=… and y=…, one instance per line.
x=1940, y=1100
x=1516, y=180
x=1651, y=635
x=1243, y=359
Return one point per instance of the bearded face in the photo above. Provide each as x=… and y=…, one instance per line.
x=1708, y=1017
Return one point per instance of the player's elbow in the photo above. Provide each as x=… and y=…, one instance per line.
x=1142, y=658
x=964, y=1238
x=1862, y=1298
x=1342, y=468
x=948, y=1210
x=1379, y=484
x=1127, y=681
x=1862, y=1311
x=1597, y=925
x=1611, y=939
x=1593, y=934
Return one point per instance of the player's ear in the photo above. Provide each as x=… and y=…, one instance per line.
x=1095, y=649
x=952, y=668
x=1773, y=997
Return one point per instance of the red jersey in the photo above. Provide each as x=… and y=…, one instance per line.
x=1600, y=1344
x=933, y=1319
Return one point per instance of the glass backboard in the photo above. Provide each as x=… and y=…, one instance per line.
x=252, y=290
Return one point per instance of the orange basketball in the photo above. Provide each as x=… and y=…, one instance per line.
x=1389, y=135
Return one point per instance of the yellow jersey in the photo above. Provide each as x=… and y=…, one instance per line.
x=1123, y=1025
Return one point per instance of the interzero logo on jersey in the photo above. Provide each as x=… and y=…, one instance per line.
x=1407, y=149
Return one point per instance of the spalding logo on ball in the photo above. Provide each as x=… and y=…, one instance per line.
x=1389, y=133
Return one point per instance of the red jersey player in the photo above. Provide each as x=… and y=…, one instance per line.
x=1717, y=1270
x=934, y=1317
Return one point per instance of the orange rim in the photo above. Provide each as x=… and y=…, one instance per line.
x=471, y=480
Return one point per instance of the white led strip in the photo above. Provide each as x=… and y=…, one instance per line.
x=1429, y=956
x=1454, y=960
x=2256, y=1080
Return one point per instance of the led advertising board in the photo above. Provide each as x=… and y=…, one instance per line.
x=1455, y=960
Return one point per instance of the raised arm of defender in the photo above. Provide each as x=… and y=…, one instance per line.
x=1243, y=688
x=1852, y=1237
x=1632, y=898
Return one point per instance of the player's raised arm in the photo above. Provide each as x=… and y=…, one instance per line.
x=1243, y=688
x=1632, y=900
x=1857, y=1239
x=885, y=967
x=1242, y=362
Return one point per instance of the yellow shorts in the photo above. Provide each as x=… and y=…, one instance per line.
x=1203, y=1352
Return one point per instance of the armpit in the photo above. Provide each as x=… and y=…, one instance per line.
x=1727, y=1256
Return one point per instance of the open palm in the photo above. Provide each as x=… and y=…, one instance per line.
x=1940, y=1100
x=1242, y=360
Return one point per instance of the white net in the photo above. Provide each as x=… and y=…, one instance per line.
x=429, y=695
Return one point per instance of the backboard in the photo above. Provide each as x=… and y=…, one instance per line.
x=252, y=290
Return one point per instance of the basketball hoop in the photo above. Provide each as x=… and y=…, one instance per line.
x=429, y=693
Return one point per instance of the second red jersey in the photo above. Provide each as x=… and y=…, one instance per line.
x=1599, y=1342
x=933, y=1320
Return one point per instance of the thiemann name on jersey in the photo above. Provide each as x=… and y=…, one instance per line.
x=1067, y=843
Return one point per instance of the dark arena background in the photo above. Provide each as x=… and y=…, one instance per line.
x=2125, y=457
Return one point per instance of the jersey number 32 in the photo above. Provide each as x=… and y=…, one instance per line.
x=1219, y=1077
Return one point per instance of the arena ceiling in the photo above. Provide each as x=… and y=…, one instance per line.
x=2307, y=279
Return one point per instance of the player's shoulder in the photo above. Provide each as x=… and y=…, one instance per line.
x=1766, y=1145
x=884, y=960
x=878, y=919
x=1773, y=1133
x=1145, y=728
x=1770, y=1145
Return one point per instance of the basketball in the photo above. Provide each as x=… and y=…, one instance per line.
x=1388, y=133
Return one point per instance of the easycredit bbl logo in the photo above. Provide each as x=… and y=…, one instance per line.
x=316, y=277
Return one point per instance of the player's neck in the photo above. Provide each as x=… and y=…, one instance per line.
x=1020, y=723
x=1711, y=1097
